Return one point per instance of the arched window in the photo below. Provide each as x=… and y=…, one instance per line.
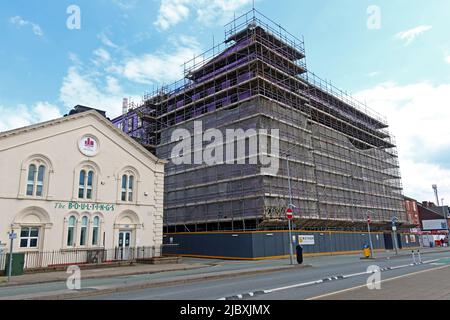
x=83, y=233
x=35, y=180
x=95, y=231
x=124, y=187
x=40, y=181
x=71, y=231
x=31, y=179
x=127, y=188
x=86, y=182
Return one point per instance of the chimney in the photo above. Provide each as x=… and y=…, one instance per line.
x=125, y=106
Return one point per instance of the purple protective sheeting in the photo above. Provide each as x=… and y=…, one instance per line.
x=171, y=107
x=211, y=107
x=226, y=84
x=226, y=53
x=226, y=101
x=196, y=96
x=179, y=119
x=211, y=91
x=198, y=112
x=225, y=68
x=180, y=104
x=244, y=77
x=245, y=95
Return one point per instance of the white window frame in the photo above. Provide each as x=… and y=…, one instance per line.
x=36, y=182
x=93, y=229
x=84, y=227
x=29, y=238
x=74, y=232
x=130, y=193
x=85, y=187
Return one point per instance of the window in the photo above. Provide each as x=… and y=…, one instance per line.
x=95, y=231
x=85, y=190
x=29, y=237
x=31, y=178
x=139, y=122
x=130, y=188
x=40, y=181
x=71, y=231
x=130, y=124
x=127, y=188
x=124, y=187
x=83, y=233
x=35, y=181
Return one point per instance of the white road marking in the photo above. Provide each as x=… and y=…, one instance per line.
x=342, y=277
x=365, y=285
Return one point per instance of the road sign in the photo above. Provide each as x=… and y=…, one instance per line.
x=289, y=214
x=12, y=235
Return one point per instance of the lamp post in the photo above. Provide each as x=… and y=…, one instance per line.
x=370, y=236
x=394, y=232
x=291, y=206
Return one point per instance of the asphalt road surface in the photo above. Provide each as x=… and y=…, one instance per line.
x=328, y=275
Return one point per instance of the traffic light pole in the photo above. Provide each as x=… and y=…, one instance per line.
x=291, y=249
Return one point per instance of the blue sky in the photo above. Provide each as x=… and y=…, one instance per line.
x=125, y=48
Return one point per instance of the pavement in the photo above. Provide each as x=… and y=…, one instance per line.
x=47, y=277
x=421, y=285
x=206, y=279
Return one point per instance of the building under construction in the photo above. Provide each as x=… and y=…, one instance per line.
x=342, y=160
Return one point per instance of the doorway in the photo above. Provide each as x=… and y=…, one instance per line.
x=124, y=245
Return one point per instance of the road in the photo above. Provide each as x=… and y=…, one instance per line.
x=293, y=283
x=296, y=284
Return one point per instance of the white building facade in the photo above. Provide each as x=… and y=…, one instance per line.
x=79, y=184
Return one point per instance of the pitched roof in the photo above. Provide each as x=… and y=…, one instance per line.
x=91, y=113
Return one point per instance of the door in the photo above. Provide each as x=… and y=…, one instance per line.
x=124, y=245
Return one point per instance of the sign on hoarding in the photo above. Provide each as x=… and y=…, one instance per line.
x=440, y=224
x=306, y=240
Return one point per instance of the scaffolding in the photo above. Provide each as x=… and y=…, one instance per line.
x=343, y=159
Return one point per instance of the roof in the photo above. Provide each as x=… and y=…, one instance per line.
x=91, y=113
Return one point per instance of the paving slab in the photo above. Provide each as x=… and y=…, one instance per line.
x=137, y=269
x=429, y=284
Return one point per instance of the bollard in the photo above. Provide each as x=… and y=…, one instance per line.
x=413, y=257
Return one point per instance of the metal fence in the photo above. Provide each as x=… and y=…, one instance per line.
x=36, y=260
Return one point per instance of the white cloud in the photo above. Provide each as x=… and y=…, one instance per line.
x=106, y=41
x=172, y=12
x=373, y=74
x=408, y=36
x=101, y=56
x=418, y=116
x=447, y=58
x=89, y=90
x=163, y=66
x=20, y=22
x=22, y=115
x=125, y=4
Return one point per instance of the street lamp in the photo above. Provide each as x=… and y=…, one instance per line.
x=291, y=206
x=370, y=236
x=394, y=231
